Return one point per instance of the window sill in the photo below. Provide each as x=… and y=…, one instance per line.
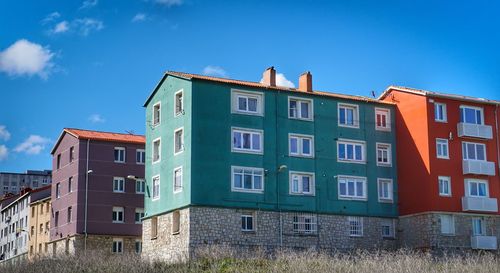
x=351, y=161
x=176, y=233
x=348, y=126
x=154, y=238
x=302, y=119
x=248, y=232
x=389, y=238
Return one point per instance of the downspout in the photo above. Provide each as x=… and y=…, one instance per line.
x=278, y=171
x=86, y=198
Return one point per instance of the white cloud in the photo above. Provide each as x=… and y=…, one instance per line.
x=61, y=27
x=26, y=58
x=51, y=17
x=89, y=4
x=87, y=25
x=33, y=145
x=170, y=3
x=4, y=134
x=4, y=152
x=139, y=17
x=96, y=118
x=281, y=80
x=216, y=71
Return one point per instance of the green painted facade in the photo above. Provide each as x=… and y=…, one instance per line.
x=207, y=158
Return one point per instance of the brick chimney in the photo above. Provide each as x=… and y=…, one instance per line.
x=269, y=76
x=305, y=82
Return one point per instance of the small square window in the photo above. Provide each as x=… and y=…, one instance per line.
x=179, y=103
x=178, y=141
x=139, y=214
x=301, y=145
x=302, y=183
x=447, y=224
x=351, y=151
x=355, y=226
x=246, y=179
x=177, y=179
x=140, y=156
x=382, y=119
x=249, y=103
x=140, y=186
x=442, y=149
x=118, y=215
x=300, y=108
x=118, y=184
x=440, y=112
x=348, y=115
x=247, y=140
x=156, y=114
x=388, y=228
x=247, y=222
x=444, y=185
x=305, y=224
x=117, y=246
x=384, y=154
x=119, y=154
x=385, y=191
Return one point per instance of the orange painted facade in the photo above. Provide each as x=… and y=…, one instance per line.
x=418, y=164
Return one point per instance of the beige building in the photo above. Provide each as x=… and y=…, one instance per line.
x=39, y=221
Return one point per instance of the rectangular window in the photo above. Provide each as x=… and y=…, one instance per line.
x=58, y=164
x=140, y=156
x=156, y=114
x=118, y=184
x=247, y=179
x=118, y=214
x=351, y=151
x=447, y=224
x=387, y=226
x=301, y=145
x=382, y=119
x=440, y=112
x=138, y=246
x=299, y=108
x=444, y=185
x=119, y=154
x=71, y=154
x=352, y=187
x=70, y=210
x=70, y=184
x=476, y=188
x=179, y=103
x=302, y=183
x=58, y=190
x=178, y=179
x=156, y=187
x=247, y=222
x=245, y=140
x=478, y=226
x=139, y=214
x=156, y=150
x=473, y=151
x=176, y=222
x=472, y=115
x=140, y=186
x=384, y=154
x=154, y=227
x=249, y=103
x=178, y=141
x=385, y=191
x=348, y=115
x=305, y=224
x=355, y=226
x=442, y=150
x=117, y=245
x=56, y=218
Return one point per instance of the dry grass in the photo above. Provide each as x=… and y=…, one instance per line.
x=217, y=259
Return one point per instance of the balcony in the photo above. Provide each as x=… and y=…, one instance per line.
x=475, y=130
x=484, y=242
x=478, y=167
x=479, y=204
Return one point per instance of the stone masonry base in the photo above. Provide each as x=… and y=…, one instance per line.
x=96, y=244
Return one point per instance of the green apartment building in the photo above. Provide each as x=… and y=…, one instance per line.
x=250, y=164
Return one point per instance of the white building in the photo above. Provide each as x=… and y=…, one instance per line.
x=14, y=234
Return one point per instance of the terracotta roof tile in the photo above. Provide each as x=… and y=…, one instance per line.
x=106, y=136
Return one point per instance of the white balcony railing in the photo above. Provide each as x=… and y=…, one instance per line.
x=484, y=242
x=478, y=167
x=475, y=130
x=479, y=204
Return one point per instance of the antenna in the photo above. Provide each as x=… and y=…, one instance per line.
x=130, y=132
x=373, y=94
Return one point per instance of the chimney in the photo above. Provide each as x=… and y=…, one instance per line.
x=269, y=76
x=305, y=82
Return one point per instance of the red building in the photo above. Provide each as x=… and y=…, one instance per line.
x=448, y=159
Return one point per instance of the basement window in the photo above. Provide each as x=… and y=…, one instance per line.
x=176, y=222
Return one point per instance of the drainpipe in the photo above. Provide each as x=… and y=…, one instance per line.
x=86, y=198
x=278, y=171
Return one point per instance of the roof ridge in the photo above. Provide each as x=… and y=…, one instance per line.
x=97, y=131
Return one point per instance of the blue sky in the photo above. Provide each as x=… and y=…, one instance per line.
x=91, y=64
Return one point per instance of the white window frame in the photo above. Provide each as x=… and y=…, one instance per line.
x=138, y=211
x=154, y=124
x=142, y=156
x=181, y=129
x=392, y=228
x=383, y=112
x=468, y=183
x=117, y=242
x=300, y=142
x=356, y=179
x=384, y=199
x=116, y=182
x=302, y=220
x=153, y=197
x=179, y=189
x=181, y=91
x=465, y=151
x=482, y=232
x=462, y=117
x=300, y=100
x=442, y=142
x=124, y=154
x=354, y=143
x=247, y=215
x=388, y=148
x=444, y=180
x=117, y=210
x=242, y=189
x=153, y=150
x=312, y=182
x=142, y=185
x=138, y=242
x=235, y=94
x=251, y=132
x=58, y=190
x=357, y=229
x=451, y=221
x=444, y=118
x=355, y=115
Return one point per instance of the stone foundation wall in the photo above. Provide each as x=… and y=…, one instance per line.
x=97, y=244
x=424, y=230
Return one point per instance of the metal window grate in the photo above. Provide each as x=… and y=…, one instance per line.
x=305, y=223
